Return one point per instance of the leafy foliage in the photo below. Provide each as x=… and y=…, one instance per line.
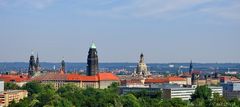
x=202, y=92
x=44, y=95
x=11, y=86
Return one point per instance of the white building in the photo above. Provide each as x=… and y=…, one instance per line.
x=216, y=89
x=185, y=93
x=1, y=86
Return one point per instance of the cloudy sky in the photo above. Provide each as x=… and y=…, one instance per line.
x=164, y=30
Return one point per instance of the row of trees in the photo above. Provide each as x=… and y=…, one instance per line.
x=44, y=95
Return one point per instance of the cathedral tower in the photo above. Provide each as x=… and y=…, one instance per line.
x=32, y=64
x=62, y=70
x=92, y=61
x=37, y=65
x=190, y=67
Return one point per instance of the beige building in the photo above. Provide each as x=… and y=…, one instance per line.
x=7, y=97
x=100, y=80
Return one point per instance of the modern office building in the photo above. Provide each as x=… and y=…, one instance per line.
x=216, y=89
x=231, y=86
x=182, y=93
x=185, y=93
x=231, y=90
x=148, y=88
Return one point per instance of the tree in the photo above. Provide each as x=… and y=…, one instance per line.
x=199, y=102
x=218, y=101
x=57, y=101
x=234, y=103
x=11, y=86
x=130, y=100
x=47, y=95
x=202, y=92
x=33, y=88
x=175, y=102
x=114, y=87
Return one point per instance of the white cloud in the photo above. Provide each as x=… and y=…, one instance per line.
x=229, y=12
x=36, y=4
x=142, y=8
x=148, y=8
x=169, y=9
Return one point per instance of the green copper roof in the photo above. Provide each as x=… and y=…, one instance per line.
x=93, y=46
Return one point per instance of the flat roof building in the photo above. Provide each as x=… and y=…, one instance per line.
x=185, y=93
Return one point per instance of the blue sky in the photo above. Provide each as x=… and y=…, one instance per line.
x=164, y=30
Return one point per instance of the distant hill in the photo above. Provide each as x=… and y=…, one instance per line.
x=154, y=67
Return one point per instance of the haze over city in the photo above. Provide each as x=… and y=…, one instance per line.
x=165, y=31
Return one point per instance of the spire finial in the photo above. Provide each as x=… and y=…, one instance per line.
x=32, y=52
x=93, y=46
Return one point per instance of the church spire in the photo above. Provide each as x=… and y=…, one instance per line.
x=190, y=67
x=32, y=64
x=62, y=70
x=37, y=65
x=141, y=58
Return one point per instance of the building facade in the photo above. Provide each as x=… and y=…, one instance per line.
x=185, y=93
x=1, y=86
x=101, y=80
x=8, y=96
x=182, y=93
x=231, y=90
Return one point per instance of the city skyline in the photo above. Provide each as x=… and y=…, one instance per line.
x=164, y=31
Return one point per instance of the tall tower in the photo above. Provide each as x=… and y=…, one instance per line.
x=190, y=67
x=194, y=76
x=141, y=58
x=62, y=66
x=31, y=68
x=92, y=61
x=37, y=65
x=142, y=67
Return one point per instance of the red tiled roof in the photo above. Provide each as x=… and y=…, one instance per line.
x=77, y=77
x=164, y=80
x=229, y=78
x=107, y=76
x=50, y=76
x=175, y=78
x=156, y=80
x=13, y=78
x=131, y=81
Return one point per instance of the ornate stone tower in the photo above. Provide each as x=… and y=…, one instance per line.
x=32, y=65
x=194, y=76
x=190, y=67
x=92, y=61
x=142, y=67
x=62, y=70
x=37, y=65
